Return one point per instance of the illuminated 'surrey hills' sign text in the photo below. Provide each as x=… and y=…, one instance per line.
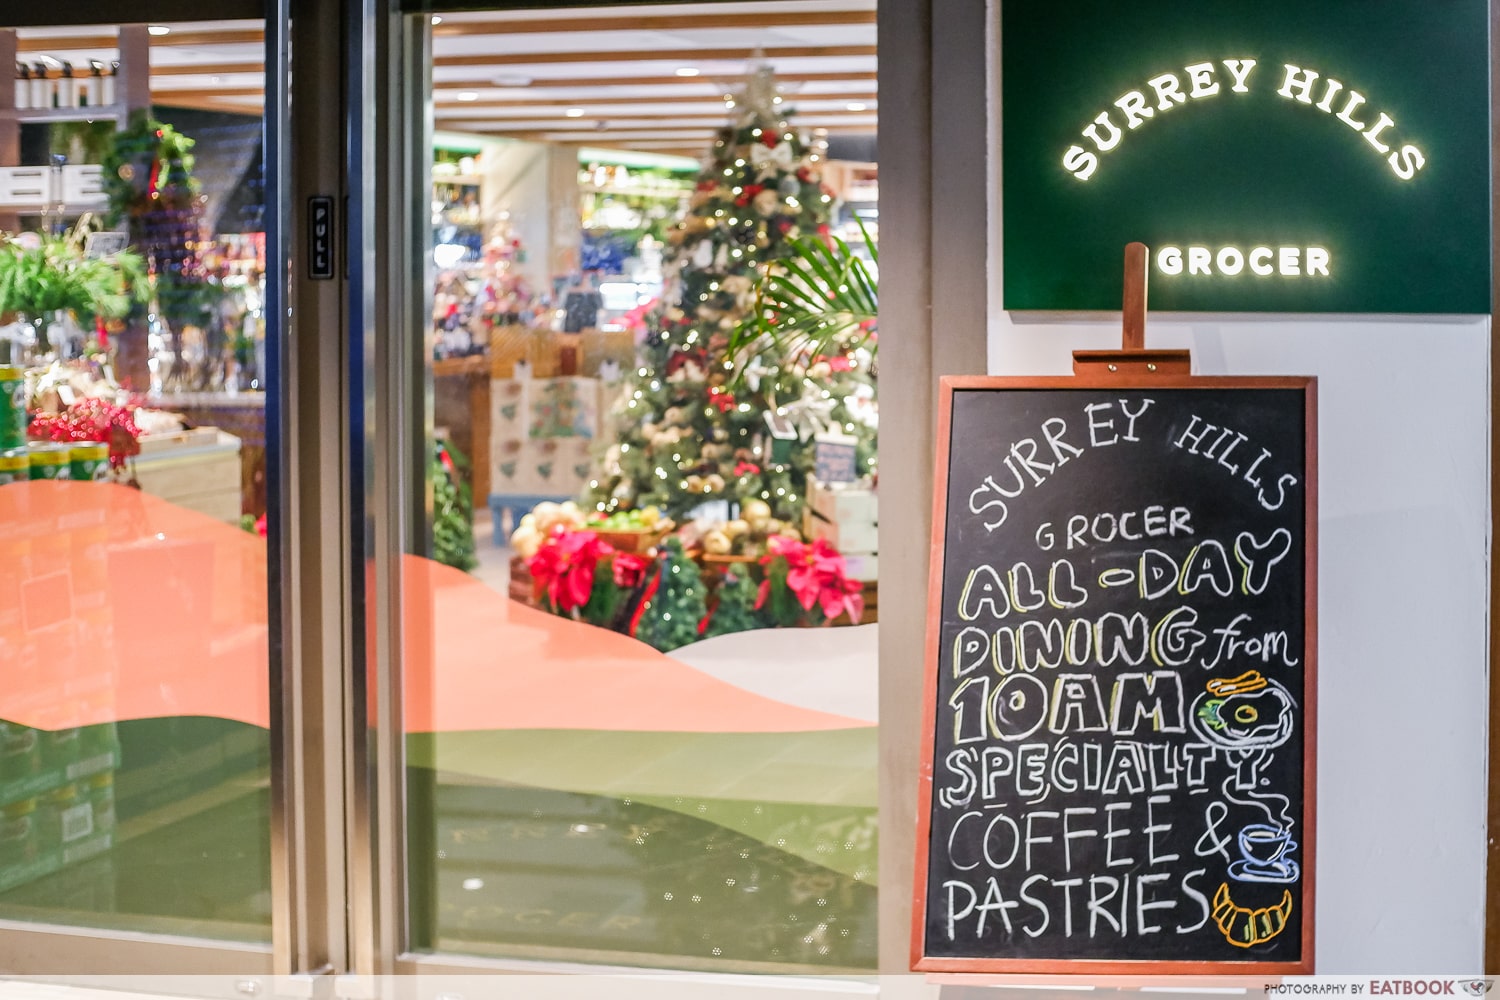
x=1204, y=80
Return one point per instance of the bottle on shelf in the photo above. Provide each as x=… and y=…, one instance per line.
x=40, y=98
x=66, y=95
x=98, y=92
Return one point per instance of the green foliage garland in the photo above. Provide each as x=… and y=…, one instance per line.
x=148, y=180
x=452, y=511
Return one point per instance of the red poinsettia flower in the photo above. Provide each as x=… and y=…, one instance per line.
x=746, y=469
x=747, y=192
x=722, y=398
x=815, y=576
x=630, y=569
x=770, y=137
x=564, y=567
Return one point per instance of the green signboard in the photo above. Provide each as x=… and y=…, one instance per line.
x=1286, y=155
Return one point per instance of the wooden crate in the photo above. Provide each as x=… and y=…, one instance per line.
x=508, y=344
x=600, y=346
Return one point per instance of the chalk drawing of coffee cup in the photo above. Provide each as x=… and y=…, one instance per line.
x=1248, y=712
x=1263, y=850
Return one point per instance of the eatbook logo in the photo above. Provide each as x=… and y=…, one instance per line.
x=1477, y=987
x=1203, y=81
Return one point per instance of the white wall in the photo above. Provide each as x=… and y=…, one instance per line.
x=1402, y=603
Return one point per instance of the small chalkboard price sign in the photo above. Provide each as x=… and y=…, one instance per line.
x=1120, y=698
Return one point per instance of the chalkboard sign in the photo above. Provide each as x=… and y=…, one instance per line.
x=835, y=458
x=1119, y=749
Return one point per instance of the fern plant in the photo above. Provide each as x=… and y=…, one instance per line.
x=45, y=274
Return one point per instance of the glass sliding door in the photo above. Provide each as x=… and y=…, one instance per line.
x=134, y=642
x=638, y=597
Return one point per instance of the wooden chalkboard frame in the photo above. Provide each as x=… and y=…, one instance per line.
x=1128, y=379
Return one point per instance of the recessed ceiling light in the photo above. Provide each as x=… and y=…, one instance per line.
x=687, y=71
x=437, y=19
x=512, y=81
x=574, y=112
x=467, y=95
x=855, y=106
x=159, y=29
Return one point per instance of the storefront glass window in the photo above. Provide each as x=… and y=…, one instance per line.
x=133, y=583
x=640, y=671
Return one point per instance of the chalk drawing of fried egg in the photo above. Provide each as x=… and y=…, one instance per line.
x=1245, y=712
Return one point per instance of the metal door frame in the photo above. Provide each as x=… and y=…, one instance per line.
x=311, y=597
x=934, y=81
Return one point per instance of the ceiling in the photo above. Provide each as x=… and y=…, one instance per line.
x=637, y=77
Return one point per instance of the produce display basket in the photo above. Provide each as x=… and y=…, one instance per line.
x=634, y=541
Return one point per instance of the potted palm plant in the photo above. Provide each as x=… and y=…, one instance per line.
x=822, y=298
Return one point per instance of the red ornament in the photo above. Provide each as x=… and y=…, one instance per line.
x=680, y=358
x=721, y=398
x=747, y=192
x=835, y=362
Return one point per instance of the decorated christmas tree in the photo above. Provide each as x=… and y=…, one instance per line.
x=692, y=426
